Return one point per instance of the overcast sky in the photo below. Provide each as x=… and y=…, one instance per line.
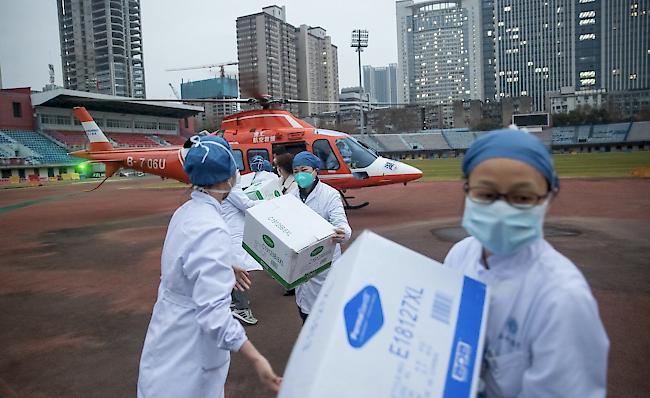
x=191, y=32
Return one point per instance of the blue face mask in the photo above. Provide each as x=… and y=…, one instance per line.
x=501, y=228
x=304, y=179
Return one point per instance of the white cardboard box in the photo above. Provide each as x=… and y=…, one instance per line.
x=264, y=190
x=289, y=240
x=389, y=322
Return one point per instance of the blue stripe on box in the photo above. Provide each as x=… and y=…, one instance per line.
x=466, y=340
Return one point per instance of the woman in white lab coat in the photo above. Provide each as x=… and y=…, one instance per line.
x=544, y=335
x=186, y=351
x=284, y=166
x=325, y=201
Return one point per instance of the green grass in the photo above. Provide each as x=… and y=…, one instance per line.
x=615, y=164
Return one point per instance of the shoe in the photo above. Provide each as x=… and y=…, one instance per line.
x=291, y=292
x=245, y=316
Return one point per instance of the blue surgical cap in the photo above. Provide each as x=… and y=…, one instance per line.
x=511, y=144
x=257, y=163
x=209, y=161
x=306, y=158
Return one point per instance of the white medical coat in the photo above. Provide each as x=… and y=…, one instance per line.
x=326, y=201
x=248, y=179
x=234, y=213
x=191, y=333
x=544, y=335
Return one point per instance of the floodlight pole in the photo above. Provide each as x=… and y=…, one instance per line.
x=359, y=42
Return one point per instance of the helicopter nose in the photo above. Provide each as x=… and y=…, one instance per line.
x=408, y=169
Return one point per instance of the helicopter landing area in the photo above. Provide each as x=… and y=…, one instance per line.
x=79, y=274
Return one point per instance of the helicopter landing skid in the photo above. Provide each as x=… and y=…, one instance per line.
x=347, y=204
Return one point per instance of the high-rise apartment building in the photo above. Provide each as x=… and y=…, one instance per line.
x=278, y=59
x=266, y=50
x=439, y=51
x=539, y=47
x=381, y=82
x=534, y=48
x=318, y=74
x=625, y=43
x=101, y=46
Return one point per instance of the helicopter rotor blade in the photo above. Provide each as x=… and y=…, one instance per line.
x=297, y=101
x=195, y=100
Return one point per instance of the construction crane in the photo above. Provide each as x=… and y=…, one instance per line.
x=174, y=91
x=221, y=66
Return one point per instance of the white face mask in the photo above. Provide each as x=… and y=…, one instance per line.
x=224, y=192
x=501, y=228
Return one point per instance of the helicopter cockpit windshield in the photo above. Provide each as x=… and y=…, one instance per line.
x=354, y=154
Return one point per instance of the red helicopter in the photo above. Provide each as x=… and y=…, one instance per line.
x=347, y=163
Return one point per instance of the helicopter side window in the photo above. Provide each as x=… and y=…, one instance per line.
x=239, y=158
x=251, y=153
x=323, y=150
x=354, y=154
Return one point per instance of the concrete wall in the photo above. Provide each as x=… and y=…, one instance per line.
x=7, y=119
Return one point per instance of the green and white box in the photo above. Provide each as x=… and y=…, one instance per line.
x=264, y=190
x=389, y=322
x=289, y=240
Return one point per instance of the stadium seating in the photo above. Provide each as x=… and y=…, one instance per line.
x=6, y=152
x=426, y=141
x=640, y=131
x=72, y=139
x=413, y=141
x=47, y=152
x=4, y=139
x=392, y=143
x=459, y=139
x=132, y=140
x=172, y=139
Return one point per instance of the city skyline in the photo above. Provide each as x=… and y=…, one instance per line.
x=174, y=35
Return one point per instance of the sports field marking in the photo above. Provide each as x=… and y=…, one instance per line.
x=32, y=202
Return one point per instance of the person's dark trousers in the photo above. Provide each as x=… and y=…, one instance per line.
x=240, y=300
x=303, y=316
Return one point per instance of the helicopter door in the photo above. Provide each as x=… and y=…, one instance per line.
x=293, y=148
x=323, y=150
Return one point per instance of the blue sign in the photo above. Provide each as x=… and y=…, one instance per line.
x=363, y=316
x=466, y=339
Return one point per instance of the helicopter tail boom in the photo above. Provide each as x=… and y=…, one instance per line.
x=97, y=138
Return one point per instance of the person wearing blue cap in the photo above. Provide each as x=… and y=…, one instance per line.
x=544, y=335
x=187, y=348
x=262, y=169
x=326, y=201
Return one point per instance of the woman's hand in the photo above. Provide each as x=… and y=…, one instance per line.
x=267, y=375
x=243, y=281
x=262, y=367
x=339, y=235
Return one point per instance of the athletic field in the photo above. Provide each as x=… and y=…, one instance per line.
x=612, y=164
